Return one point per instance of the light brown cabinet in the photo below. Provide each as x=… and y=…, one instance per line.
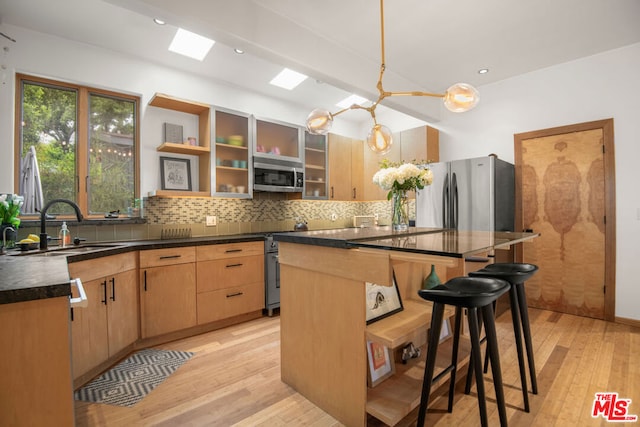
x=346, y=168
x=109, y=324
x=421, y=143
x=35, y=385
x=167, y=290
x=230, y=280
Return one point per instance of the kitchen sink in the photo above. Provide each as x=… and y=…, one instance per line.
x=71, y=250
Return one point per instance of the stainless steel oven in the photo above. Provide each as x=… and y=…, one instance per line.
x=271, y=274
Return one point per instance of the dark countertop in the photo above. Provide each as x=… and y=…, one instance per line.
x=428, y=241
x=33, y=275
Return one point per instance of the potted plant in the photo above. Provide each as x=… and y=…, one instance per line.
x=10, y=205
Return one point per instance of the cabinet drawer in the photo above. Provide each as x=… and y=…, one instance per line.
x=229, y=250
x=102, y=267
x=168, y=256
x=225, y=273
x=220, y=304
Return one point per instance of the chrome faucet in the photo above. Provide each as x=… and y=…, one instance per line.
x=43, y=219
x=4, y=239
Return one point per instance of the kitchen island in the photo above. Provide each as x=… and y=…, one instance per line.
x=324, y=332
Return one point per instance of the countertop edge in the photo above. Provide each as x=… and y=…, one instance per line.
x=40, y=277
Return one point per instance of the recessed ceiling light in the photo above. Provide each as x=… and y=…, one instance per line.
x=159, y=21
x=352, y=100
x=190, y=44
x=238, y=51
x=288, y=79
x=483, y=71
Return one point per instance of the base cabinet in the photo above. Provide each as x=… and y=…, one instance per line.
x=230, y=280
x=109, y=323
x=35, y=374
x=167, y=290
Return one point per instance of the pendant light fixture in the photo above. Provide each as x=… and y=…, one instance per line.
x=458, y=98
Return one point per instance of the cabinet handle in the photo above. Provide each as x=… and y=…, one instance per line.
x=354, y=192
x=104, y=289
x=228, y=251
x=113, y=289
x=170, y=256
x=237, y=294
x=145, y=280
x=332, y=191
x=234, y=265
x=72, y=314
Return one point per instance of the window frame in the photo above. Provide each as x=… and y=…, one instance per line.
x=82, y=140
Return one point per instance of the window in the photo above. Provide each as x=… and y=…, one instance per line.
x=85, y=142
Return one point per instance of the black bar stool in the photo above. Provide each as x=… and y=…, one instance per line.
x=516, y=274
x=472, y=293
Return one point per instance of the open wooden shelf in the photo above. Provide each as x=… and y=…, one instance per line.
x=402, y=327
x=396, y=397
x=172, y=147
x=178, y=193
x=171, y=103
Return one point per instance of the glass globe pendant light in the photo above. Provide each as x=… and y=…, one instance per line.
x=380, y=139
x=461, y=97
x=319, y=121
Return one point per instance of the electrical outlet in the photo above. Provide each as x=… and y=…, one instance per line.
x=211, y=221
x=333, y=217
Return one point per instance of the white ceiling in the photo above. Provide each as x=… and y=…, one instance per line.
x=429, y=44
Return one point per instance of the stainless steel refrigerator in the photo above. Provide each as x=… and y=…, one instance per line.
x=469, y=194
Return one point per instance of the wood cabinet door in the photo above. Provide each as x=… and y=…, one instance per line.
x=357, y=170
x=122, y=310
x=167, y=299
x=339, y=167
x=89, y=345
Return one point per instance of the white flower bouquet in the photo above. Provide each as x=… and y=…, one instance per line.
x=402, y=177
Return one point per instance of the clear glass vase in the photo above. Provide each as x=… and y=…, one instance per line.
x=400, y=211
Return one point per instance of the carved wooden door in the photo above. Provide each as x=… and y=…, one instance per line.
x=561, y=179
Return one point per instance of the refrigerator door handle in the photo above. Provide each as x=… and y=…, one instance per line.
x=454, y=190
x=445, y=203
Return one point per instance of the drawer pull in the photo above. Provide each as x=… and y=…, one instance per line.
x=234, y=265
x=170, y=256
x=237, y=294
x=228, y=251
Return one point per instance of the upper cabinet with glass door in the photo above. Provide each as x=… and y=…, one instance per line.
x=233, y=162
x=278, y=141
x=315, y=166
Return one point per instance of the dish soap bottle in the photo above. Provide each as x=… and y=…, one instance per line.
x=64, y=235
x=432, y=280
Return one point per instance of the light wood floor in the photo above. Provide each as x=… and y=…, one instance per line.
x=234, y=379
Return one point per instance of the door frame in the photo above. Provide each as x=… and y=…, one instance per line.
x=609, y=197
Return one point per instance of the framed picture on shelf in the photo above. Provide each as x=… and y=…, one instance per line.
x=380, y=363
x=175, y=173
x=382, y=301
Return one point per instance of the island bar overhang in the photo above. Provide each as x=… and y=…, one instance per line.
x=323, y=304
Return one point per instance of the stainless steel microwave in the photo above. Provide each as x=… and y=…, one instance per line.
x=278, y=176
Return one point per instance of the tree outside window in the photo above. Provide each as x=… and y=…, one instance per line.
x=85, y=141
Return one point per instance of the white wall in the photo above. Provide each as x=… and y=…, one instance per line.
x=594, y=88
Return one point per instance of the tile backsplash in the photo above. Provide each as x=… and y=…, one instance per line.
x=265, y=212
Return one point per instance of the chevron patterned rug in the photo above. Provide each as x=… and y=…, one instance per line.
x=132, y=379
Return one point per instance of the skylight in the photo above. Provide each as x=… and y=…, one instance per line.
x=288, y=79
x=351, y=100
x=190, y=44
